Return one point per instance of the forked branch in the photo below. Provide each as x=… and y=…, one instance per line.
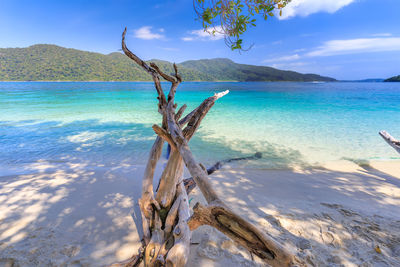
x=165, y=76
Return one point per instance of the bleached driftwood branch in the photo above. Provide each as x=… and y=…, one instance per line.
x=167, y=224
x=393, y=142
x=190, y=184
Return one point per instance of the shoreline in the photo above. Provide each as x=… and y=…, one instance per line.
x=149, y=81
x=344, y=164
x=76, y=213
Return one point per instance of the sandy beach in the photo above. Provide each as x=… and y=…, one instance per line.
x=286, y=114
x=75, y=214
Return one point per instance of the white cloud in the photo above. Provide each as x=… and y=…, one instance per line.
x=145, y=33
x=287, y=62
x=277, y=42
x=169, y=48
x=332, y=48
x=187, y=39
x=283, y=58
x=353, y=46
x=306, y=7
x=290, y=65
x=299, y=50
x=384, y=34
x=205, y=35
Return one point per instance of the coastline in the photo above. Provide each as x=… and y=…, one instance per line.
x=84, y=215
x=149, y=81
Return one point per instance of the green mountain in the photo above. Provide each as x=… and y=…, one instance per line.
x=393, y=79
x=229, y=70
x=54, y=63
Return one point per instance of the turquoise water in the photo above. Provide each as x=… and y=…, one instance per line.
x=110, y=123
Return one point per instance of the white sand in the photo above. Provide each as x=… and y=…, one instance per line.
x=64, y=214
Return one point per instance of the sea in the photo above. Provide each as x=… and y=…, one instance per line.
x=109, y=123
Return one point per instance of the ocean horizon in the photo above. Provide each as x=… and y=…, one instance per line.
x=109, y=123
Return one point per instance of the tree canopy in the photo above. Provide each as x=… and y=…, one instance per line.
x=232, y=17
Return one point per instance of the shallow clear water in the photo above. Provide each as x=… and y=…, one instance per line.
x=110, y=123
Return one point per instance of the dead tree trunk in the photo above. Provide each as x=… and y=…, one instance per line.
x=166, y=219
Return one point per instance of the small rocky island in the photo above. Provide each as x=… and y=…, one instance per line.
x=393, y=79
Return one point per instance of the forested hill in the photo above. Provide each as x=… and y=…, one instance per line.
x=54, y=63
x=393, y=79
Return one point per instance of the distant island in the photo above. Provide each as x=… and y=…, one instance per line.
x=45, y=62
x=374, y=80
x=393, y=79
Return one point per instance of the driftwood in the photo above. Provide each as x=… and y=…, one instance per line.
x=190, y=184
x=166, y=220
x=393, y=142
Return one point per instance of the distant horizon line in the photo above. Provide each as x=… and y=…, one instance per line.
x=149, y=81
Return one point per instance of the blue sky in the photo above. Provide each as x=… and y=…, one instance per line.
x=344, y=39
